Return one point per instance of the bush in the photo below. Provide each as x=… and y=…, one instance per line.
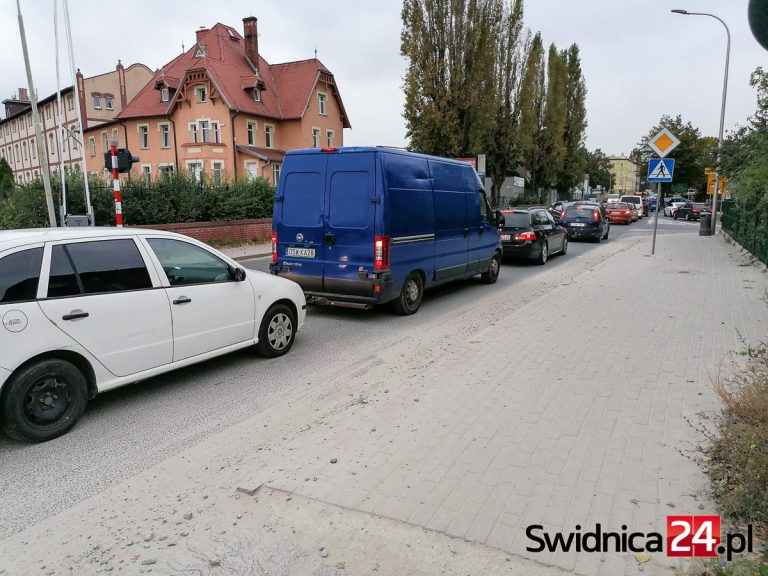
x=178, y=198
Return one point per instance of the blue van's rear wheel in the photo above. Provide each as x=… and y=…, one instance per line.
x=492, y=274
x=410, y=296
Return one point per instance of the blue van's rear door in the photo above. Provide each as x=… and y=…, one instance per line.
x=350, y=224
x=299, y=222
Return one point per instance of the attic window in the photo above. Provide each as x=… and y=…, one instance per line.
x=201, y=52
x=165, y=94
x=256, y=94
x=232, y=35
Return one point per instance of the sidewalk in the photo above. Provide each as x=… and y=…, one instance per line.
x=560, y=400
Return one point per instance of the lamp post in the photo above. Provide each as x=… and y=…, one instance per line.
x=716, y=191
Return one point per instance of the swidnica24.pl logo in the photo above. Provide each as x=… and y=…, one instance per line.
x=690, y=536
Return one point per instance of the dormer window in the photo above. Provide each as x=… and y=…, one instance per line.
x=232, y=35
x=201, y=51
x=165, y=94
x=256, y=94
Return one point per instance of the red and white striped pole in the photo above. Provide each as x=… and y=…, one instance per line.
x=116, y=188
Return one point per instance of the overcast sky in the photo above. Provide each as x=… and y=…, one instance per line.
x=639, y=60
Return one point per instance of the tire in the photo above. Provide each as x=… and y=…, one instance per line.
x=598, y=239
x=564, y=250
x=674, y=216
x=43, y=400
x=410, y=297
x=605, y=237
x=542, y=259
x=277, y=331
x=494, y=269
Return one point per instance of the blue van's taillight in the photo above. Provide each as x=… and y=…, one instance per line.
x=381, y=253
x=274, y=247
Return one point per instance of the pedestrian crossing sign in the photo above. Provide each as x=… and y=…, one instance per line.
x=661, y=169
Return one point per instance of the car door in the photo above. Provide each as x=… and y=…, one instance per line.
x=557, y=235
x=210, y=309
x=541, y=225
x=102, y=294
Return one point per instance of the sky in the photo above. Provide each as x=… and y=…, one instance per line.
x=640, y=61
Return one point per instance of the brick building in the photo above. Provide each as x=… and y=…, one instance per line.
x=220, y=108
x=102, y=97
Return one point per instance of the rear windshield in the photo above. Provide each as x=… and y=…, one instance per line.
x=618, y=206
x=517, y=220
x=632, y=199
x=700, y=206
x=583, y=211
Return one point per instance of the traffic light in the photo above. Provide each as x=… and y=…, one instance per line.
x=125, y=160
x=758, y=21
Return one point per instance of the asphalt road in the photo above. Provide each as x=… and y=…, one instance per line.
x=128, y=430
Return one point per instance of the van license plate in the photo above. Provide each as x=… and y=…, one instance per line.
x=301, y=252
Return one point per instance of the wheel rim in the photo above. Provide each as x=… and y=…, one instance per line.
x=411, y=292
x=494, y=266
x=280, y=331
x=544, y=252
x=565, y=245
x=47, y=401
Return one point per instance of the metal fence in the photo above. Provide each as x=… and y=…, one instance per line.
x=747, y=225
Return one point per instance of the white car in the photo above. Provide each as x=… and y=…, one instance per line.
x=613, y=198
x=85, y=310
x=672, y=208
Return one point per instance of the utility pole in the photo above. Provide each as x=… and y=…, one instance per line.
x=39, y=137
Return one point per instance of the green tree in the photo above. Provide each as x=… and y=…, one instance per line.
x=532, y=98
x=598, y=166
x=575, y=161
x=553, y=148
x=450, y=80
x=6, y=178
x=502, y=151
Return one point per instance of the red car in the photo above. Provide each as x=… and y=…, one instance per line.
x=619, y=212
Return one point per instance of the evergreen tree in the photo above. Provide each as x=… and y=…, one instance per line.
x=532, y=111
x=553, y=129
x=575, y=161
x=6, y=178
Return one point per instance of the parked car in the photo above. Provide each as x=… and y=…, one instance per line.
x=585, y=220
x=637, y=201
x=557, y=208
x=621, y=212
x=691, y=211
x=635, y=213
x=672, y=208
x=365, y=226
x=613, y=198
x=86, y=310
x=532, y=234
x=649, y=204
x=674, y=199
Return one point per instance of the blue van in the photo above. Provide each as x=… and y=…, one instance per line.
x=365, y=226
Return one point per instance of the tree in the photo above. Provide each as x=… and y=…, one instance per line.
x=502, y=150
x=554, y=121
x=450, y=80
x=598, y=166
x=532, y=95
x=6, y=178
x=575, y=161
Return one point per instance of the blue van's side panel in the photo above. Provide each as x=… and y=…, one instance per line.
x=408, y=204
x=451, y=219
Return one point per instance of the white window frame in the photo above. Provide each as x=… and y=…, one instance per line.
x=276, y=168
x=330, y=137
x=105, y=141
x=205, y=126
x=269, y=135
x=193, y=131
x=196, y=175
x=166, y=169
x=165, y=135
x=146, y=172
x=143, y=134
x=165, y=94
x=202, y=94
x=250, y=132
x=215, y=132
x=217, y=165
x=92, y=145
x=115, y=135
x=108, y=103
x=96, y=101
x=316, y=137
x=250, y=164
x=256, y=94
x=322, y=103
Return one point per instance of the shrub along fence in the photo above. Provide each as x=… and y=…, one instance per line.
x=164, y=200
x=747, y=224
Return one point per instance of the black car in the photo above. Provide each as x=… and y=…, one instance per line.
x=585, y=220
x=531, y=233
x=691, y=211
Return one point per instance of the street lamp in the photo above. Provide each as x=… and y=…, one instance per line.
x=716, y=191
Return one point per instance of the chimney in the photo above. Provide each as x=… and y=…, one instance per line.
x=250, y=33
x=23, y=95
x=199, y=33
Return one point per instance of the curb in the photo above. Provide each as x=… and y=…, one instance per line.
x=252, y=256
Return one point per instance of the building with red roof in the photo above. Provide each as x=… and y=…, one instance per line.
x=219, y=108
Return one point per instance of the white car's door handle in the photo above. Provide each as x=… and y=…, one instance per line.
x=74, y=315
x=182, y=300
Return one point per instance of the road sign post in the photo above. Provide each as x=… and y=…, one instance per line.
x=661, y=170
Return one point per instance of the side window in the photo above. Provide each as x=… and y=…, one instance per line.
x=484, y=214
x=19, y=275
x=97, y=267
x=186, y=263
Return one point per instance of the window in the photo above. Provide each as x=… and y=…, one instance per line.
x=484, y=212
x=144, y=136
x=70, y=102
x=193, y=132
x=33, y=148
x=51, y=147
x=114, y=135
x=97, y=101
x=165, y=95
x=205, y=130
x=218, y=168
x=74, y=137
x=202, y=94
x=166, y=170
x=92, y=145
x=269, y=135
x=321, y=103
x=165, y=135
x=64, y=139
x=24, y=147
x=97, y=267
x=186, y=263
x=276, y=173
x=315, y=137
x=256, y=94
x=329, y=138
x=108, y=102
x=195, y=170
x=19, y=275
x=146, y=172
x=104, y=142
x=251, y=133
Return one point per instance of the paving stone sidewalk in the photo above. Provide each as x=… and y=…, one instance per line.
x=572, y=409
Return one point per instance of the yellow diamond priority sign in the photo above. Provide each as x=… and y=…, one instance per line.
x=663, y=143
